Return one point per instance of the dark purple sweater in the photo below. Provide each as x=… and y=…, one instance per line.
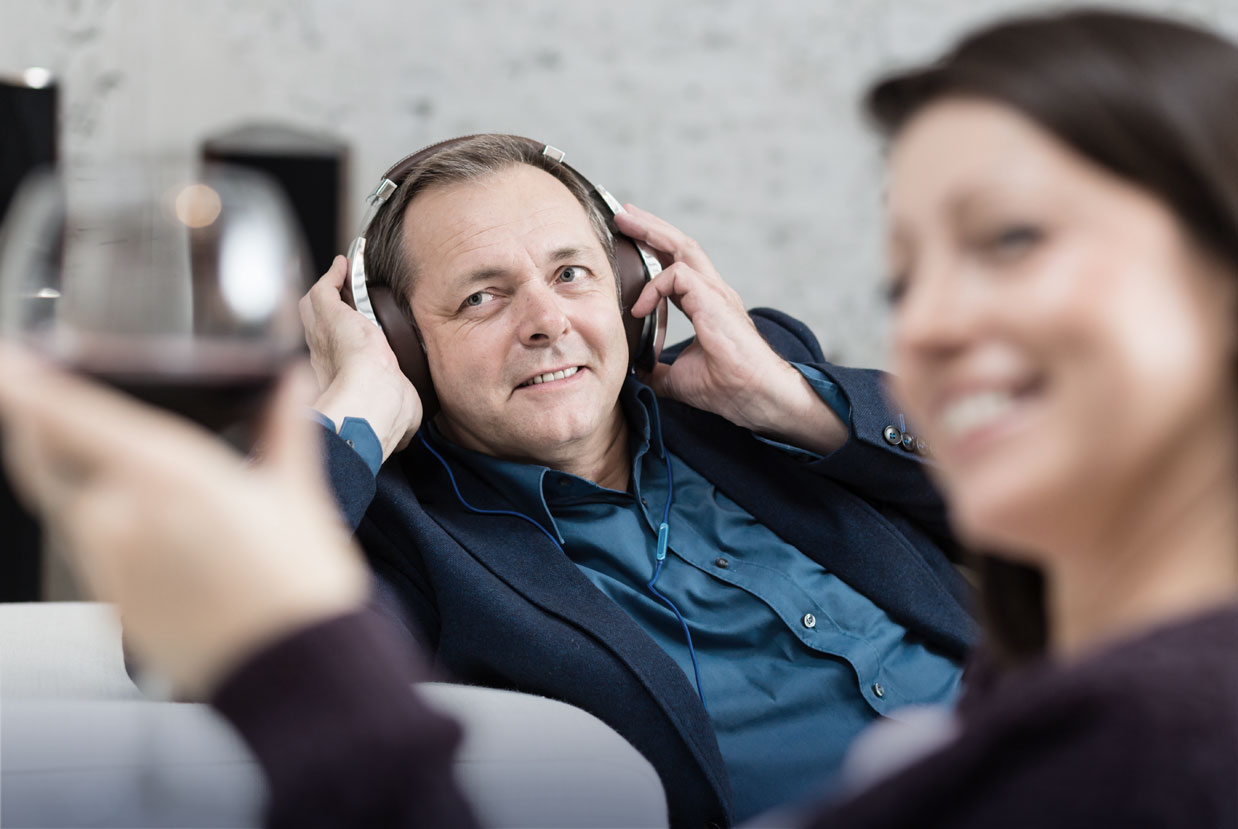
x=1143, y=734
x=341, y=736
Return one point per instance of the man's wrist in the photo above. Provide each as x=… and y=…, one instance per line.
x=339, y=405
x=794, y=412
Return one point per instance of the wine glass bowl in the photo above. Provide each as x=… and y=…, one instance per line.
x=180, y=289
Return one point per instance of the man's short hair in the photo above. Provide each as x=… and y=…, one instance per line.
x=387, y=261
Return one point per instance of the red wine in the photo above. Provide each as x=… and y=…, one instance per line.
x=222, y=385
x=219, y=402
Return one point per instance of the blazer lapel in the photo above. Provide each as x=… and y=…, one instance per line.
x=525, y=559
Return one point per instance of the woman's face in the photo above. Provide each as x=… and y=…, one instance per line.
x=1058, y=339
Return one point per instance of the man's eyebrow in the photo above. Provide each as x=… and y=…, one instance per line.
x=563, y=254
x=480, y=275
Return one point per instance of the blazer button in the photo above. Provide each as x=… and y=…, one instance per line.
x=892, y=435
x=908, y=441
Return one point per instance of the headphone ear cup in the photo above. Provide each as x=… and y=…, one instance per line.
x=404, y=342
x=645, y=336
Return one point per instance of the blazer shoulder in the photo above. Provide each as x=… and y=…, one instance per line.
x=789, y=337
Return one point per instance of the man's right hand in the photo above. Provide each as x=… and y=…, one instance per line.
x=358, y=374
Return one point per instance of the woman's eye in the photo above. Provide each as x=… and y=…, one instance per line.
x=895, y=290
x=1012, y=242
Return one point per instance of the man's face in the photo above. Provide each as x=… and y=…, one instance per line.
x=516, y=303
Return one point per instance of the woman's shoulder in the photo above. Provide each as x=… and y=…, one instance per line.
x=1164, y=683
x=1145, y=729
x=1177, y=670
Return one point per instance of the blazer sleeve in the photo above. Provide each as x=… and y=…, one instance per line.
x=350, y=478
x=868, y=463
x=401, y=587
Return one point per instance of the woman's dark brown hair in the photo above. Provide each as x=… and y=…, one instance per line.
x=1154, y=102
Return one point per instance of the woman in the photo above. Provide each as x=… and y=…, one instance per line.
x=1064, y=233
x=1063, y=200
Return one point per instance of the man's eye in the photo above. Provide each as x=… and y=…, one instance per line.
x=571, y=273
x=473, y=300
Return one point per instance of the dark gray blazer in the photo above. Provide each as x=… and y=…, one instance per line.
x=498, y=604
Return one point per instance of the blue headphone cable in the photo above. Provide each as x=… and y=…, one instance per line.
x=659, y=558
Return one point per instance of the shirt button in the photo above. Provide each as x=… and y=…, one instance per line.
x=809, y=621
x=922, y=446
x=722, y=562
x=350, y=443
x=564, y=482
x=644, y=502
x=878, y=690
x=908, y=441
x=892, y=435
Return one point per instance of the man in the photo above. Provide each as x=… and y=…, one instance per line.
x=799, y=589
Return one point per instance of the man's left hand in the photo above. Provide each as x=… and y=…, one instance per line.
x=729, y=369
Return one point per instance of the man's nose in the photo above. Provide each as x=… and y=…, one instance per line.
x=542, y=317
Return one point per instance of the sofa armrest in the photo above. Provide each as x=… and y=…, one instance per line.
x=82, y=747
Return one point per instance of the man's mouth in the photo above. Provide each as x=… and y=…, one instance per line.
x=550, y=377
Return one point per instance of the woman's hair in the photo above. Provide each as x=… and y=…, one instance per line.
x=1153, y=101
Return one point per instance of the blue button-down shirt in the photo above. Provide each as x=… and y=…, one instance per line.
x=793, y=663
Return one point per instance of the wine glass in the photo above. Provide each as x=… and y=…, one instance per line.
x=179, y=288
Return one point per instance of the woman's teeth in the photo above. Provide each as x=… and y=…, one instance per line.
x=974, y=411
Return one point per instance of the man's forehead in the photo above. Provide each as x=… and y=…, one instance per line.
x=496, y=222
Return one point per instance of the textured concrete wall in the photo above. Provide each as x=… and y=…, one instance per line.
x=735, y=119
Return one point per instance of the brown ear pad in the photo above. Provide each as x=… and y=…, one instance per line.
x=632, y=280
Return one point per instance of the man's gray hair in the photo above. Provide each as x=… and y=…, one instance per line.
x=389, y=263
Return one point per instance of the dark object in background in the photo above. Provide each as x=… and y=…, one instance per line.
x=28, y=110
x=309, y=167
x=28, y=131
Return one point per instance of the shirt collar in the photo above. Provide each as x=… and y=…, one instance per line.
x=523, y=483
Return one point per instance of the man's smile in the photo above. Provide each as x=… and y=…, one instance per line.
x=555, y=376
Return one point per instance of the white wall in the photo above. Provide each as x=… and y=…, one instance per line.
x=735, y=119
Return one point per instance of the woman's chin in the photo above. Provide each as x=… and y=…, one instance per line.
x=1014, y=527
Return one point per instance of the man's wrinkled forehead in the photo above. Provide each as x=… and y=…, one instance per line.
x=508, y=221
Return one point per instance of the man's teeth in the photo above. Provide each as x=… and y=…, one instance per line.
x=974, y=411
x=553, y=375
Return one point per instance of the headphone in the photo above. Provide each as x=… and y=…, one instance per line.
x=637, y=264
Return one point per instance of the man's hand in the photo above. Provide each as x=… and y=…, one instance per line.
x=208, y=557
x=358, y=374
x=728, y=369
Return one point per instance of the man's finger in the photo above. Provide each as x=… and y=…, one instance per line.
x=326, y=291
x=664, y=236
x=682, y=285
x=337, y=273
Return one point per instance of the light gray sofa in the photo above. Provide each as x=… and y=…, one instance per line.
x=80, y=745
